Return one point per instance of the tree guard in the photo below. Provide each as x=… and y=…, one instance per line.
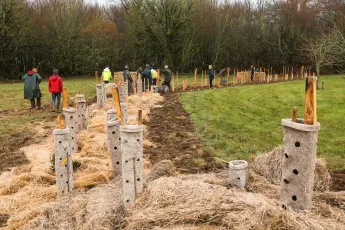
x=124, y=110
x=101, y=95
x=72, y=124
x=114, y=145
x=81, y=114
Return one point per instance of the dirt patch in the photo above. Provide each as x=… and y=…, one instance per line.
x=173, y=133
x=338, y=180
x=3, y=219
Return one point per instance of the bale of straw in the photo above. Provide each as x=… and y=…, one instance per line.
x=175, y=201
x=162, y=168
x=269, y=165
x=93, y=179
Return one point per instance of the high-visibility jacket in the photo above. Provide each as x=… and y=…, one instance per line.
x=106, y=75
x=153, y=73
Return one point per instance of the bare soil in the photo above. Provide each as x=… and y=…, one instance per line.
x=174, y=136
x=338, y=180
x=3, y=219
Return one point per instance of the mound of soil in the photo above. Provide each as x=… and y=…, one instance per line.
x=174, y=136
x=338, y=180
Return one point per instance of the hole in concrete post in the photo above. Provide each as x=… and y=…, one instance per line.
x=66, y=182
x=61, y=175
x=72, y=138
x=286, y=181
x=283, y=206
x=126, y=161
x=127, y=200
x=127, y=181
x=125, y=141
x=60, y=159
x=286, y=155
x=138, y=179
x=295, y=171
x=138, y=140
x=65, y=165
x=113, y=132
x=297, y=144
x=72, y=127
x=71, y=117
x=294, y=198
x=238, y=178
x=115, y=147
x=120, y=139
x=59, y=142
x=138, y=159
x=118, y=163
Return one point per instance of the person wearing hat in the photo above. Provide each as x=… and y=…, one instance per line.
x=128, y=78
x=167, y=75
x=32, y=90
x=55, y=87
x=106, y=75
x=211, y=74
x=147, y=78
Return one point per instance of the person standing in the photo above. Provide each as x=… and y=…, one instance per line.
x=252, y=69
x=55, y=87
x=211, y=74
x=154, y=76
x=128, y=78
x=167, y=76
x=32, y=90
x=147, y=78
x=106, y=75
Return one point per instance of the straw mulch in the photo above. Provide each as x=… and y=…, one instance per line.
x=269, y=166
x=162, y=168
x=190, y=200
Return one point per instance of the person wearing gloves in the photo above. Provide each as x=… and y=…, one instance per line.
x=106, y=75
x=32, y=90
x=55, y=87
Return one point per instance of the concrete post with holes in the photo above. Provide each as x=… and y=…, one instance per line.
x=125, y=89
x=300, y=145
x=63, y=162
x=238, y=173
x=111, y=114
x=122, y=94
x=72, y=124
x=114, y=145
x=81, y=114
x=124, y=109
x=132, y=162
x=89, y=114
x=139, y=87
x=101, y=95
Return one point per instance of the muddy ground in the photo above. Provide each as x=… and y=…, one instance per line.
x=338, y=180
x=174, y=136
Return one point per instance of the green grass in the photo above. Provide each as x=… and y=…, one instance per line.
x=236, y=121
x=19, y=119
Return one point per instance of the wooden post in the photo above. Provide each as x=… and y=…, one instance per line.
x=177, y=79
x=310, y=115
x=158, y=78
x=65, y=98
x=96, y=74
x=228, y=76
x=173, y=83
x=61, y=122
x=140, y=117
x=195, y=73
x=117, y=104
x=294, y=114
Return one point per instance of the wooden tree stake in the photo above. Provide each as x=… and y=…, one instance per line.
x=140, y=117
x=65, y=98
x=61, y=122
x=96, y=74
x=294, y=114
x=117, y=104
x=310, y=115
x=195, y=73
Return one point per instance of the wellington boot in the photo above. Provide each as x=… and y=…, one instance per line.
x=54, y=108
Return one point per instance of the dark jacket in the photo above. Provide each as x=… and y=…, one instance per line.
x=55, y=84
x=127, y=76
x=167, y=74
x=146, y=74
x=211, y=74
x=32, y=85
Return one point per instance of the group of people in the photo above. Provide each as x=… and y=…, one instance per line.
x=148, y=77
x=32, y=89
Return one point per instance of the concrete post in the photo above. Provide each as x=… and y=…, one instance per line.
x=300, y=145
x=125, y=89
x=238, y=173
x=111, y=114
x=122, y=94
x=114, y=145
x=132, y=162
x=101, y=95
x=72, y=124
x=139, y=88
x=89, y=114
x=63, y=162
x=124, y=109
x=81, y=115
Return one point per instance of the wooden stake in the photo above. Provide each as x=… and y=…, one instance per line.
x=96, y=74
x=177, y=79
x=140, y=117
x=310, y=115
x=158, y=78
x=117, y=104
x=294, y=114
x=228, y=76
x=173, y=83
x=195, y=73
x=65, y=98
x=61, y=122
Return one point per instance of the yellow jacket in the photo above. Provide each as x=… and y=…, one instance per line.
x=107, y=74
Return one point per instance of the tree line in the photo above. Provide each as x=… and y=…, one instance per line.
x=79, y=38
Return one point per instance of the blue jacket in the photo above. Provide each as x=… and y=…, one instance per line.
x=211, y=74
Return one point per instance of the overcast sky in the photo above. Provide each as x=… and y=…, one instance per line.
x=101, y=2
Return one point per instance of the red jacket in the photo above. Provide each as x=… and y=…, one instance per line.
x=55, y=84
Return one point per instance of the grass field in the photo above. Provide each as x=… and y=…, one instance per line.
x=236, y=121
